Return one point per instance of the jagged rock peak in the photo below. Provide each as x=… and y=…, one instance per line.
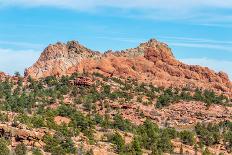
x=57, y=58
x=157, y=51
x=62, y=50
x=3, y=76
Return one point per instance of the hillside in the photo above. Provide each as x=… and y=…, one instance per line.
x=150, y=62
x=108, y=115
x=138, y=101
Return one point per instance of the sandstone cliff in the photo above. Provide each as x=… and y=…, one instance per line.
x=151, y=62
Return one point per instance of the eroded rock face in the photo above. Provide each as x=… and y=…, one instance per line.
x=151, y=62
x=20, y=134
x=3, y=76
x=56, y=59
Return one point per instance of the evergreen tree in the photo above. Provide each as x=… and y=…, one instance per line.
x=187, y=137
x=136, y=146
x=118, y=141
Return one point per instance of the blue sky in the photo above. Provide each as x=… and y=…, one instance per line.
x=199, y=32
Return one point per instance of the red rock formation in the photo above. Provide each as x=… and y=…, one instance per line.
x=2, y=75
x=152, y=61
x=81, y=81
x=59, y=120
x=56, y=59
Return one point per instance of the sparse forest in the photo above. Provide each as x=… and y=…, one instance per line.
x=32, y=104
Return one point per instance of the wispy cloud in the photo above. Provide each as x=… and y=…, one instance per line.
x=201, y=40
x=200, y=45
x=211, y=63
x=17, y=60
x=79, y=4
x=225, y=46
x=157, y=9
x=21, y=45
x=120, y=39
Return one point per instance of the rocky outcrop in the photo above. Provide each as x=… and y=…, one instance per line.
x=30, y=137
x=59, y=120
x=3, y=76
x=151, y=62
x=56, y=59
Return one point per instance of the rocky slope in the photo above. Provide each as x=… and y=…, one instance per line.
x=152, y=61
x=3, y=76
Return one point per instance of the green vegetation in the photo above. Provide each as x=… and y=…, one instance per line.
x=118, y=140
x=151, y=137
x=121, y=124
x=36, y=151
x=173, y=95
x=213, y=133
x=187, y=137
x=33, y=104
x=20, y=149
x=209, y=135
x=3, y=147
x=59, y=145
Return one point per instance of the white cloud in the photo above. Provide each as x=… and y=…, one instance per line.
x=192, y=10
x=223, y=45
x=202, y=45
x=197, y=40
x=80, y=4
x=21, y=45
x=17, y=60
x=217, y=65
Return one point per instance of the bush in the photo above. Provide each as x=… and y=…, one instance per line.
x=228, y=140
x=59, y=145
x=136, y=147
x=163, y=100
x=122, y=124
x=148, y=133
x=187, y=137
x=20, y=149
x=65, y=110
x=209, y=135
x=36, y=151
x=3, y=147
x=38, y=121
x=206, y=152
x=165, y=144
x=118, y=141
x=3, y=117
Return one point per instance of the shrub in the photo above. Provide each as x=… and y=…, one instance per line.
x=118, y=141
x=20, y=149
x=228, y=140
x=136, y=147
x=36, y=151
x=3, y=117
x=163, y=100
x=3, y=147
x=122, y=124
x=38, y=121
x=65, y=110
x=209, y=135
x=187, y=137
